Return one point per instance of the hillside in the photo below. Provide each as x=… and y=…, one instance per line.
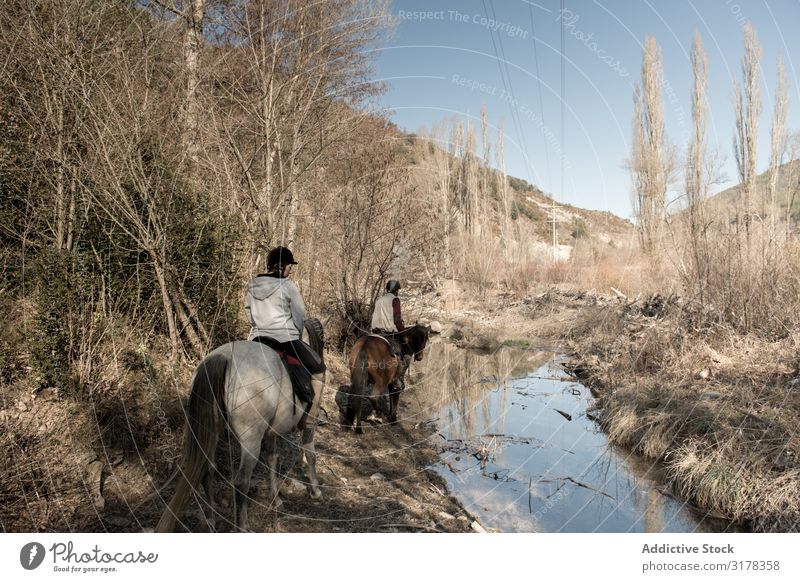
x=573, y=223
x=530, y=209
x=787, y=193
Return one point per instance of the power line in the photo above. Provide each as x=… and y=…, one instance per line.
x=509, y=91
x=563, y=101
x=541, y=100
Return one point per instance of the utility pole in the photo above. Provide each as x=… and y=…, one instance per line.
x=553, y=220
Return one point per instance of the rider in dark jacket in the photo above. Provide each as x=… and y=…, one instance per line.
x=386, y=316
x=387, y=320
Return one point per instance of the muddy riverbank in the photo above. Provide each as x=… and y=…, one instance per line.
x=674, y=384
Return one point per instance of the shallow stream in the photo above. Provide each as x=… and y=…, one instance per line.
x=521, y=452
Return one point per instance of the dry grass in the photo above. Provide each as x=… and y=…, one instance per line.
x=600, y=268
x=749, y=277
x=721, y=409
x=524, y=267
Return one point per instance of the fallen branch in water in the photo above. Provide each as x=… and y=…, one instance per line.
x=585, y=486
x=578, y=483
x=564, y=414
x=411, y=526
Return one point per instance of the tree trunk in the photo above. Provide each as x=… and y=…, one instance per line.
x=167, y=302
x=187, y=328
x=192, y=45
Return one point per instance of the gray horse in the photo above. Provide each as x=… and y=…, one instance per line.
x=243, y=385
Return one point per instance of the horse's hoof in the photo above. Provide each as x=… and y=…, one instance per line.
x=359, y=430
x=315, y=493
x=277, y=502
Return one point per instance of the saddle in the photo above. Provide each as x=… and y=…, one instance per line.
x=398, y=349
x=393, y=338
x=298, y=374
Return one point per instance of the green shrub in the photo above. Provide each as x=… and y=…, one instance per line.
x=50, y=341
x=579, y=228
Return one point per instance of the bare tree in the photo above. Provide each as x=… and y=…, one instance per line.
x=779, y=137
x=502, y=189
x=50, y=73
x=651, y=163
x=457, y=153
x=190, y=16
x=483, y=203
x=443, y=171
x=193, y=15
x=291, y=75
x=696, y=175
x=747, y=102
x=136, y=176
x=471, y=182
x=374, y=232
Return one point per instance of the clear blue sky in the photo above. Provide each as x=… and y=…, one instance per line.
x=447, y=58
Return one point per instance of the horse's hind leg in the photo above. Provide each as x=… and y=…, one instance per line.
x=271, y=445
x=307, y=440
x=357, y=403
x=250, y=450
x=394, y=400
x=349, y=415
x=311, y=462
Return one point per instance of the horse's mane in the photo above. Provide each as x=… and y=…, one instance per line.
x=417, y=336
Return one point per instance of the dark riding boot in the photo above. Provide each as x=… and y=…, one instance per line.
x=301, y=382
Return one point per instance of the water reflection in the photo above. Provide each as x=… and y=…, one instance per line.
x=520, y=453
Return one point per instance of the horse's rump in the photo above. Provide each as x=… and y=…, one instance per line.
x=372, y=363
x=243, y=385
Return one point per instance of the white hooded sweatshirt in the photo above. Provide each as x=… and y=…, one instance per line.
x=274, y=308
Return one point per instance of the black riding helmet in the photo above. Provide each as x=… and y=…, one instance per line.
x=280, y=257
x=392, y=286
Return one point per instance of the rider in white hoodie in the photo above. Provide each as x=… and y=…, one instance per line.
x=277, y=315
x=273, y=304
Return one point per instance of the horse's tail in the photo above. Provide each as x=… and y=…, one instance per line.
x=359, y=387
x=359, y=376
x=205, y=420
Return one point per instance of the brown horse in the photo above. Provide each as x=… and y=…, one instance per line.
x=376, y=371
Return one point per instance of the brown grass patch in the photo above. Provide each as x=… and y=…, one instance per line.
x=721, y=409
